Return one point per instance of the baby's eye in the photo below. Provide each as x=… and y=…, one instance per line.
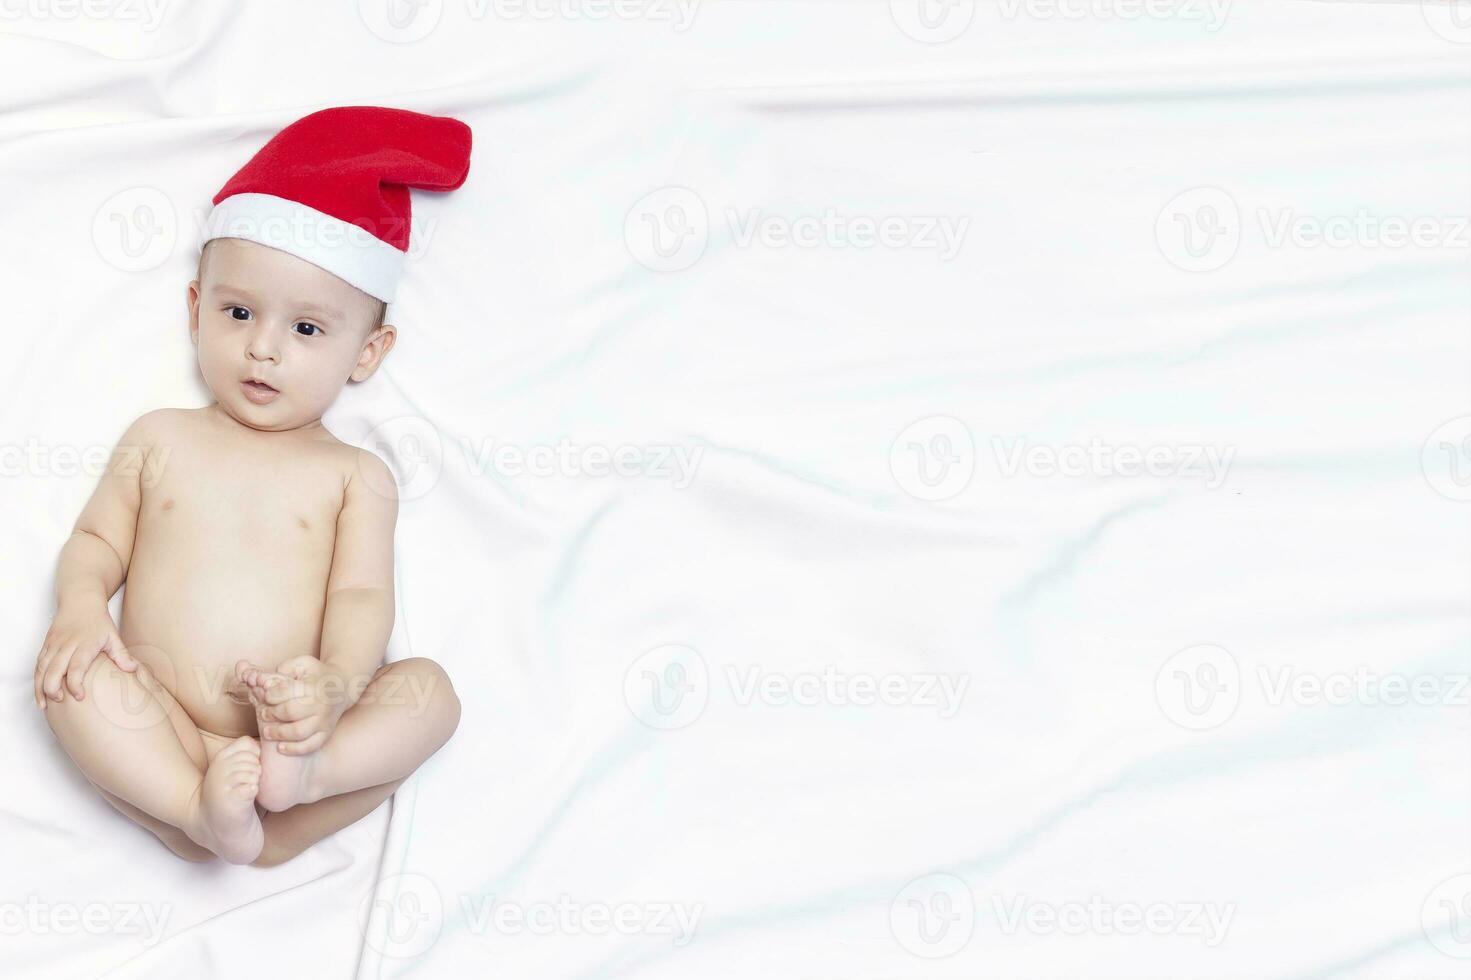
x=305, y=329
x=239, y=312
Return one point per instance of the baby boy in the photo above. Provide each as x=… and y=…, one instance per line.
x=242, y=707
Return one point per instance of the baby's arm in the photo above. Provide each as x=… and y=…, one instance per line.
x=359, y=614
x=309, y=695
x=93, y=564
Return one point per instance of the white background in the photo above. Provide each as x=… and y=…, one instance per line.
x=1144, y=192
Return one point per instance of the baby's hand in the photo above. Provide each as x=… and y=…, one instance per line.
x=75, y=639
x=296, y=706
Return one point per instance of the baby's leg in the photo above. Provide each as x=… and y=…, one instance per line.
x=122, y=738
x=172, y=837
x=405, y=714
x=292, y=831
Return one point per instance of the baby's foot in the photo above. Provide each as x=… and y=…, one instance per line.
x=286, y=780
x=225, y=820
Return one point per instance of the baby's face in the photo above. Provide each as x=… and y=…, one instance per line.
x=258, y=314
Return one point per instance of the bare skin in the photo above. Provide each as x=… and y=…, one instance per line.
x=241, y=708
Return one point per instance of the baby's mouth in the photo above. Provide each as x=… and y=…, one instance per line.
x=258, y=391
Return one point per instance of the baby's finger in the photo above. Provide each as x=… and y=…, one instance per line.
x=118, y=651
x=292, y=731
x=41, y=662
x=304, y=747
x=54, y=671
x=78, y=669
x=272, y=712
x=294, y=710
x=40, y=698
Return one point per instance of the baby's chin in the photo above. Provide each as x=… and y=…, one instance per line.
x=274, y=417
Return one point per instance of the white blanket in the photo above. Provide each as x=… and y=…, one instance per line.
x=1033, y=549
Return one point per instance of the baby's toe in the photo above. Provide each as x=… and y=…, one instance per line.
x=245, y=762
x=243, y=790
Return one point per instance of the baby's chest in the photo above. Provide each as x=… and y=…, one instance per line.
x=246, y=507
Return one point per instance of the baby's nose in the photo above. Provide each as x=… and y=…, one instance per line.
x=261, y=346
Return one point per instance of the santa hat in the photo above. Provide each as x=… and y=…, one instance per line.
x=333, y=188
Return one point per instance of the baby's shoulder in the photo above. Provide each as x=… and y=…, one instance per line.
x=356, y=464
x=155, y=427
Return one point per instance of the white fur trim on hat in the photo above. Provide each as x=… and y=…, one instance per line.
x=340, y=247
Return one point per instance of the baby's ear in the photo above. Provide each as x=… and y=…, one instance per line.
x=375, y=349
x=192, y=298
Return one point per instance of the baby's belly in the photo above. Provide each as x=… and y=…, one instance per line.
x=190, y=626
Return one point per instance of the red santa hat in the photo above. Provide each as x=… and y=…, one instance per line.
x=333, y=188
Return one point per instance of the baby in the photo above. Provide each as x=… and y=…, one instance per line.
x=242, y=707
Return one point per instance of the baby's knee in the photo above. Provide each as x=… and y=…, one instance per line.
x=429, y=690
x=110, y=694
